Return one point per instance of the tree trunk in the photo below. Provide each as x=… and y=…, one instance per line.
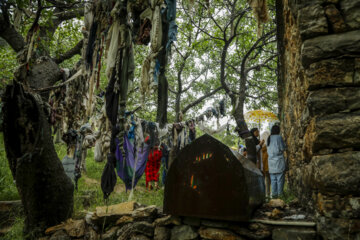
x=243, y=128
x=161, y=114
x=45, y=190
x=177, y=107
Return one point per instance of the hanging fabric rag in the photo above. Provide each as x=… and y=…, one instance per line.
x=192, y=130
x=171, y=16
x=203, y=128
x=125, y=166
x=164, y=162
x=91, y=45
x=261, y=13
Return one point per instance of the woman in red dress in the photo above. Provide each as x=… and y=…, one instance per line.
x=153, y=167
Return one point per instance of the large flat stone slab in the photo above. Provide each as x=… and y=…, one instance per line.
x=330, y=46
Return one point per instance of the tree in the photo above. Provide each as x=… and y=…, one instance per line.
x=242, y=55
x=46, y=192
x=189, y=70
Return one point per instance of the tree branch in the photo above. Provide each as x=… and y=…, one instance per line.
x=69, y=54
x=8, y=31
x=260, y=65
x=199, y=100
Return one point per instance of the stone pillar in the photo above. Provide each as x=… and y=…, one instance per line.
x=320, y=109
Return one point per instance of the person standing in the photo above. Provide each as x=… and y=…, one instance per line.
x=255, y=134
x=153, y=166
x=276, y=161
x=265, y=167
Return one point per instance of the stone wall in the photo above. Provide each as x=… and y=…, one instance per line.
x=320, y=109
x=131, y=221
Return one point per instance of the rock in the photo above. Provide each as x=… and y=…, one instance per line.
x=144, y=228
x=330, y=72
x=336, y=131
x=150, y=211
x=91, y=235
x=113, y=212
x=276, y=213
x=60, y=235
x=276, y=203
x=120, y=209
x=338, y=173
x=218, y=234
x=74, y=228
x=110, y=234
x=183, y=232
x=312, y=21
x=338, y=206
x=351, y=11
x=139, y=237
x=196, y=222
x=262, y=233
x=336, y=20
x=167, y=220
x=337, y=228
x=333, y=100
x=252, y=231
x=295, y=217
x=215, y=224
x=293, y=233
x=329, y=46
x=137, y=228
x=357, y=71
x=162, y=233
x=124, y=219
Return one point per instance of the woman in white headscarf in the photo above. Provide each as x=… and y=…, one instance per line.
x=265, y=167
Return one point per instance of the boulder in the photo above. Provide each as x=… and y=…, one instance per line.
x=183, y=232
x=218, y=234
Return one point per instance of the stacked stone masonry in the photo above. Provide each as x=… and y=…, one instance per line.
x=130, y=221
x=321, y=110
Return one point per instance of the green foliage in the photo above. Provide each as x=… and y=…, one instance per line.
x=7, y=64
x=8, y=190
x=16, y=231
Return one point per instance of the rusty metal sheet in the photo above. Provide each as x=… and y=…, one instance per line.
x=207, y=180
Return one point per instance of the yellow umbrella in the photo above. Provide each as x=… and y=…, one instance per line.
x=260, y=116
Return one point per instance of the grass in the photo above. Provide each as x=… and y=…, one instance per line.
x=88, y=196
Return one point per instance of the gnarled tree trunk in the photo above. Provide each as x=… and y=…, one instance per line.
x=46, y=192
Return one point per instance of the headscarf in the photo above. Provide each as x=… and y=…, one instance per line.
x=264, y=136
x=256, y=140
